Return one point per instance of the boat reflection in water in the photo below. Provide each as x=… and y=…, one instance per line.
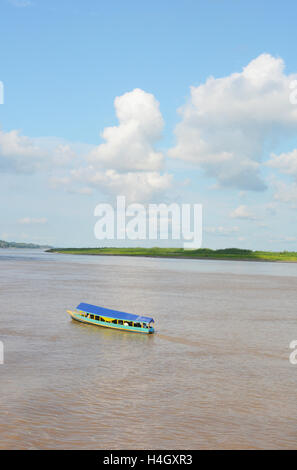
x=100, y=316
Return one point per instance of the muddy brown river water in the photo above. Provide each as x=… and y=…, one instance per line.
x=215, y=375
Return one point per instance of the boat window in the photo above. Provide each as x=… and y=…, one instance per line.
x=137, y=325
x=120, y=322
x=114, y=321
x=92, y=317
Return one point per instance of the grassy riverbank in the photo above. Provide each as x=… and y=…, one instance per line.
x=202, y=253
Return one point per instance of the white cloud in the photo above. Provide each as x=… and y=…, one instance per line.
x=63, y=155
x=30, y=220
x=242, y=212
x=285, y=162
x=228, y=121
x=136, y=186
x=19, y=153
x=130, y=145
x=22, y=154
x=283, y=239
x=224, y=231
x=286, y=193
x=127, y=162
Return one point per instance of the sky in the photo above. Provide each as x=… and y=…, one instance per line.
x=163, y=102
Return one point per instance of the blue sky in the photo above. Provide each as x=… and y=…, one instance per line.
x=231, y=148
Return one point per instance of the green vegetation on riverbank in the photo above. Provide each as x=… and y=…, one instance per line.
x=202, y=253
x=4, y=244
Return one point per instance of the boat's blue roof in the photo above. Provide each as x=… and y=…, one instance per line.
x=106, y=312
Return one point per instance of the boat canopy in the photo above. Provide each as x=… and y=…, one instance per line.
x=108, y=313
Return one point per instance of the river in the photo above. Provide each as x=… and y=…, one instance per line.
x=216, y=374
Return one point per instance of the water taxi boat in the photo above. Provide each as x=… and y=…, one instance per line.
x=100, y=316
